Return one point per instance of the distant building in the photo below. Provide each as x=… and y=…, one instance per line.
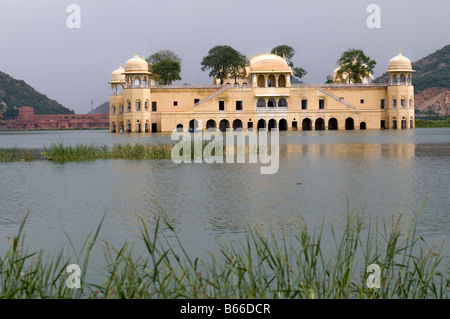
x=28, y=120
x=264, y=98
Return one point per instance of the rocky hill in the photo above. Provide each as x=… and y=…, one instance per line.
x=101, y=109
x=431, y=82
x=16, y=93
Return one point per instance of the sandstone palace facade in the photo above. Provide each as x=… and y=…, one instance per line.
x=264, y=98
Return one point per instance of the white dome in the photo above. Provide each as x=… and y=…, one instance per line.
x=400, y=63
x=136, y=65
x=118, y=75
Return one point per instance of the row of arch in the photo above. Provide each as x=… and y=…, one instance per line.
x=282, y=125
x=137, y=81
x=271, y=103
x=271, y=80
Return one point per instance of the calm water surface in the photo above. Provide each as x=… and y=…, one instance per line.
x=321, y=176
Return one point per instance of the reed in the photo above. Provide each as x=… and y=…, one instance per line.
x=264, y=264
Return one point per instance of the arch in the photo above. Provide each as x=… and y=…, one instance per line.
x=128, y=126
x=282, y=102
x=193, y=125
x=137, y=81
x=138, y=105
x=349, y=123
x=307, y=124
x=179, y=127
x=147, y=126
x=261, y=103
x=223, y=125
x=362, y=126
x=261, y=81
x=237, y=124
x=211, y=124
x=282, y=81
x=332, y=124
x=319, y=124
x=113, y=109
x=128, y=106
x=272, y=103
x=244, y=85
x=113, y=127
x=272, y=124
x=121, y=127
x=261, y=124
x=271, y=81
x=145, y=82
x=283, y=126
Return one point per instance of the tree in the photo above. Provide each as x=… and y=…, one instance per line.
x=288, y=53
x=223, y=61
x=237, y=66
x=166, y=66
x=356, y=64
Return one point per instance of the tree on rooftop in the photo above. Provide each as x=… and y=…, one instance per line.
x=356, y=64
x=166, y=66
x=288, y=53
x=223, y=61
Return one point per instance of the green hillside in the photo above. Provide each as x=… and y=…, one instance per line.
x=16, y=93
x=431, y=71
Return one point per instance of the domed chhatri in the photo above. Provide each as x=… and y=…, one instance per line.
x=118, y=75
x=269, y=62
x=400, y=70
x=262, y=96
x=400, y=63
x=136, y=65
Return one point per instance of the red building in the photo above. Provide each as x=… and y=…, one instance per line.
x=29, y=121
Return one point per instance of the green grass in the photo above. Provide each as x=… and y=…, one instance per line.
x=421, y=123
x=264, y=264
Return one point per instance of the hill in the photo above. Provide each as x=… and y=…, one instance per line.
x=16, y=93
x=101, y=109
x=431, y=82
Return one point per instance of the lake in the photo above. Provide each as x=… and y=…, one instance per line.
x=322, y=175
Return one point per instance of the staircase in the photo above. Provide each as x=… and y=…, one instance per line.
x=209, y=97
x=337, y=98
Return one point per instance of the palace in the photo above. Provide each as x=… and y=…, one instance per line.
x=264, y=98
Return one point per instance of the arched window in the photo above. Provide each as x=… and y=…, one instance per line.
x=282, y=103
x=261, y=124
x=261, y=81
x=137, y=81
x=349, y=123
x=272, y=103
x=271, y=82
x=307, y=124
x=261, y=103
x=138, y=105
x=272, y=124
x=283, y=126
x=113, y=109
x=332, y=124
x=282, y=81
x=210, y=124
x=319, y=124
x=237, y=124
x=223, y=125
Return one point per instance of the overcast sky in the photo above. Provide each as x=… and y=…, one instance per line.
x=73, y=66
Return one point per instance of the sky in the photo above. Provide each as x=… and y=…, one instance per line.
x=73, y=65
